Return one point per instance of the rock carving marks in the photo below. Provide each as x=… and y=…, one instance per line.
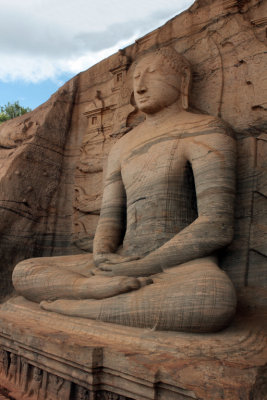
x=82, y=393
x=124, y=91
x=22, y=378
x=99, y=116
x=4, y=362
x=107, y=116
x=87, y=163
x=35, y=384
x=90, y=167
x=119, y=74
x=105, y=395
x=28, y=382
x=87, y=203
x=58, y=388
x=23, y=131
x=12, y=370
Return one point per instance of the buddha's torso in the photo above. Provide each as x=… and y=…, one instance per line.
x=160, y=191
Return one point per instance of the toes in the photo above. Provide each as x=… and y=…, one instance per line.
x=130, y=283
x=135, y=283
x=145, y=281
x=47, y=305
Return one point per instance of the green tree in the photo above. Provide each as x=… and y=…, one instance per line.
x=13, y=110
x=3, y=116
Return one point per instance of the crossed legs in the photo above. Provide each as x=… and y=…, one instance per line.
x=68, y=277
x=193, y=297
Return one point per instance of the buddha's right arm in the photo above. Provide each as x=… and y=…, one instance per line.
x=110, y=228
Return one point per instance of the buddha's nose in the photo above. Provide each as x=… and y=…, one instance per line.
x=141, y=88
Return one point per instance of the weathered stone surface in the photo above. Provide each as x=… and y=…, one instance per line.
x=136, y=363
x=225, y=42
x=32, y=149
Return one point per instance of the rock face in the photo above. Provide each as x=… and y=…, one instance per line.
x=52, y=160
x=52, y=165
x=32, y=160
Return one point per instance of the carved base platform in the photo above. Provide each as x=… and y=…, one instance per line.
x=48, y=356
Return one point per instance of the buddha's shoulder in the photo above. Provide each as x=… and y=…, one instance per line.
x=194, y=124
x=128, y=138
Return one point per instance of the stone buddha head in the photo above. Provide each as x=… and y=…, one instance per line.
x=161, y=79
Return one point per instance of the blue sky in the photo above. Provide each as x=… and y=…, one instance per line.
x=44, y=43
x=30, y=94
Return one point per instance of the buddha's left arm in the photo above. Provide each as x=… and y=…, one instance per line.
x=110, y=226
x=212, y=157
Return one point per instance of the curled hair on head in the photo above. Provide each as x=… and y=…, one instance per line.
x=174, y=60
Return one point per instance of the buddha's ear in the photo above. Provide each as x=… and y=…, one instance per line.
x=185, y=84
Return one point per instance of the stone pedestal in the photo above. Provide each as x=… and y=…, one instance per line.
x=50, y=356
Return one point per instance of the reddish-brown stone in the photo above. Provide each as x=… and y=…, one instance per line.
x=52, y=165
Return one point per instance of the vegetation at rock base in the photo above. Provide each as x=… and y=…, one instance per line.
x=12, y=110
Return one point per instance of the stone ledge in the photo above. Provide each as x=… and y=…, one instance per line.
x=107, y=361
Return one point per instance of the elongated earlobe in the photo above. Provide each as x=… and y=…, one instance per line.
x=185, y=87
x=185, y=102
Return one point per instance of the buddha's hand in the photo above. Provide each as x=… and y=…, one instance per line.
x=112, y=258
x=119, y=269
x=135, y=268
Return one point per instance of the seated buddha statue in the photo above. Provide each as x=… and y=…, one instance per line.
x=168, y=207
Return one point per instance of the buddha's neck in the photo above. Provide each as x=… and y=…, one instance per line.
x=165, y=115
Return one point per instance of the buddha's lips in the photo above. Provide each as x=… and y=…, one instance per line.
x=143, y=99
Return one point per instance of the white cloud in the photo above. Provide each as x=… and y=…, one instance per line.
x=35, y=69
x=88, y=59
x=41, y=39
x=25, y=67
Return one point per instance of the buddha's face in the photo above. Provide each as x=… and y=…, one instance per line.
x=156, y=86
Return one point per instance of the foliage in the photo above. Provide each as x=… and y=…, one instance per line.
x=10, y=111
x=3, y=116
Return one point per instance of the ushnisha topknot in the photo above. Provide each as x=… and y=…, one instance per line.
x=171, y=57
x=174, y=60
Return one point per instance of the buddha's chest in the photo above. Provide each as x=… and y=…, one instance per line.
x=154, y=165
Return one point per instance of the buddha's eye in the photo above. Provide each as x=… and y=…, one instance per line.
x=136, y=76
x=151, y=69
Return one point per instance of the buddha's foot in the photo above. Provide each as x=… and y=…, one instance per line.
x=91, y=308
x=75, y=308
x=145, y=281
x=100, y=287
